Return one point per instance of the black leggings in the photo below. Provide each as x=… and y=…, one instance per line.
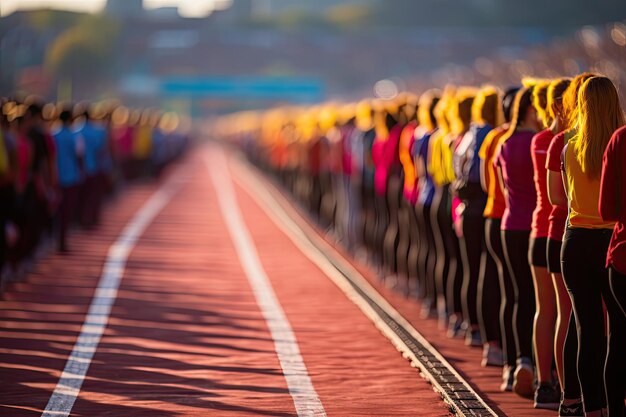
x=391, y=237
x=426, y=254
x=493, y=237
x=382, y=222
x=617, y=344
x=587, y=280
x=515, y=243
x=489, y=291
x=445, y=260
x=472, y=245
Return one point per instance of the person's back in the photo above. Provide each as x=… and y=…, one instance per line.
x=94, y=138
x=67, y=156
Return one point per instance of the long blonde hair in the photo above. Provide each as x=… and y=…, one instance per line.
x=570, y=99
x=487, y=108
x=540, y=102
x=599, y=115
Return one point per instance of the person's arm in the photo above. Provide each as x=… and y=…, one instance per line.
x=484, y=179
x=610, y=185
x=556, y=189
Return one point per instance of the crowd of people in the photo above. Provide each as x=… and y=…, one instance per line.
x=59, y=162
x=504, y=212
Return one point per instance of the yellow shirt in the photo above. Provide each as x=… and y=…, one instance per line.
x=583, y=194
x=440, y=160
x=142, y=143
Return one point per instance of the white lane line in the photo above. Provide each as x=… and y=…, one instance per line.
x=305, y=398
x=259, y=191
x=64, y=396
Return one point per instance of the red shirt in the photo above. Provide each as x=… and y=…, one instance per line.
x=558, y=216
x=612, y=204
x=539, y=152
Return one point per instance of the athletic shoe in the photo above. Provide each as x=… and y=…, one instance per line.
x=524, y=382
x=492, y=356
x=507, y=378
x=473, y=338
x=455, y=330
x=572, y=410
x=547, y=397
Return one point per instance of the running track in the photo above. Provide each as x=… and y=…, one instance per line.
x=219, y=311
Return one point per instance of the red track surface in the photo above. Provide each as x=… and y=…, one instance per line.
x=185, y=336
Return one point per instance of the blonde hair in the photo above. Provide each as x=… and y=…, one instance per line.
x=599, y=115
x=487, y=108
x=570, y=99
x=555, y=94
x=540, y=102
x=426, y=109
x=460, y=110
x=441, y=110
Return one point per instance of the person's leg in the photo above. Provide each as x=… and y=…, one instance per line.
x=615, y=368
x=507, y=296
x=489, y=304
x=442, y=259
x=580, y=271
x=404, y=241
x=430, y=307
x=391, y=236
x=516, y=253
x=455, y=279
x=472, y=244
x=413, y=255
x=545, y=315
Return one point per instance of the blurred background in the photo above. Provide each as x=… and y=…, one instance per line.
x=209, y=57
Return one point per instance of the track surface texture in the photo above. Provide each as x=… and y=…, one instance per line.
x=192, y=331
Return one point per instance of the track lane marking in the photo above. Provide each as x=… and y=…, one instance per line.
x=68, y=387
x=305, y=399
x=359, y=290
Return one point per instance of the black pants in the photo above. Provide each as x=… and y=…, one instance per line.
x=617, y=345
x=382, y=222
x=426, y=255
x=66, y=213
x=493, y=238
x=515, y=243
x=442, y=223
x=472, y=246
x=489, y=298
x=587, y=280
x=391, y=237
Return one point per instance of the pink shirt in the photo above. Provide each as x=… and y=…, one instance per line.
x=515, y=160
x=558, y=215
x=541, y=215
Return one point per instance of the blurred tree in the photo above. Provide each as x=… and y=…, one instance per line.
x=84, y=53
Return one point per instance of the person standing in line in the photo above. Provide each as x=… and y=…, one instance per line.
x=483, y=285
x=485, y=114
x=427, y=126
x=566, y=340
x=612, y=207
x=494, y=210
x=436, y=180
x=93, y=137
x=585, y=246
x=407, y=262
x=69, y=150
x=515, y=166
x=470, y=208
x=546, y=395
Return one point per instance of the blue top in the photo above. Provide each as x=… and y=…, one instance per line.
x=466, y=159
x=95, y=144
x=66, y=143
x=420, y=150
